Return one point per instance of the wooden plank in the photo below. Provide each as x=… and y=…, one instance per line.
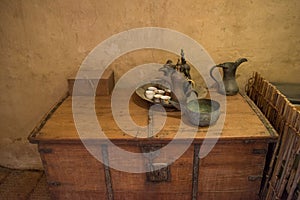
x=283, y=155
x=76, y=195
x=19, y=184
x=229, y=195
x=273, y=108
x=4, y=172
x=240, y=122
x=181, y=174
x=41, y=191
x=262, y=117
x=292, y=180
x=289, y=157
x=150, y=195
x=229, y=167
x=64, y=127
x=70, y=168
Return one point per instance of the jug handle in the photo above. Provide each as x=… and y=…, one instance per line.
x=211, y=73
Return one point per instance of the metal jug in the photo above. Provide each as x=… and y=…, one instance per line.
x=229, y=82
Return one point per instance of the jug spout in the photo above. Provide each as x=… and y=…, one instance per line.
x=230, y=67
x=240, y=61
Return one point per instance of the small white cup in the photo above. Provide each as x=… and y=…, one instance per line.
x=149, y=94
x=154, y=89
x=160, y=91
x=167, y=92
x=165, y=99
x=157, y=98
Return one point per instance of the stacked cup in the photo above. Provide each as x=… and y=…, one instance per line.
x=158, y=95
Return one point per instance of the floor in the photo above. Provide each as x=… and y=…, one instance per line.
x=23, y=185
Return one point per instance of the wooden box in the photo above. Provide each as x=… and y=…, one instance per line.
x=86, y=86
x=232, y=170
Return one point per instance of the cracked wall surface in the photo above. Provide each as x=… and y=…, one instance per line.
x=44, y=42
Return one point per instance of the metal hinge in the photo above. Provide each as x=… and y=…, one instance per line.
x=254, y=177
x=45, y=150
x=54, y=183
x=259, y=151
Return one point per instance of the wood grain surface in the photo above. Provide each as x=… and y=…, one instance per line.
x=241, y=122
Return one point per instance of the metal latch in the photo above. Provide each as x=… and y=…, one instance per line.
x=156, y=172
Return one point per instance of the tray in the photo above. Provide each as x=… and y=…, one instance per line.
x=202, y=92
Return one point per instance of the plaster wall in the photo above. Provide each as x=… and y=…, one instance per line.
x=43, y=42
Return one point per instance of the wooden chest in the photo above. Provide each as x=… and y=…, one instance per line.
x=232, y=170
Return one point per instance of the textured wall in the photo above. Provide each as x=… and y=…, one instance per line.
x=44, y=41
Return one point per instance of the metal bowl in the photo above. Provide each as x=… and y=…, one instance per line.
x=203, y=112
